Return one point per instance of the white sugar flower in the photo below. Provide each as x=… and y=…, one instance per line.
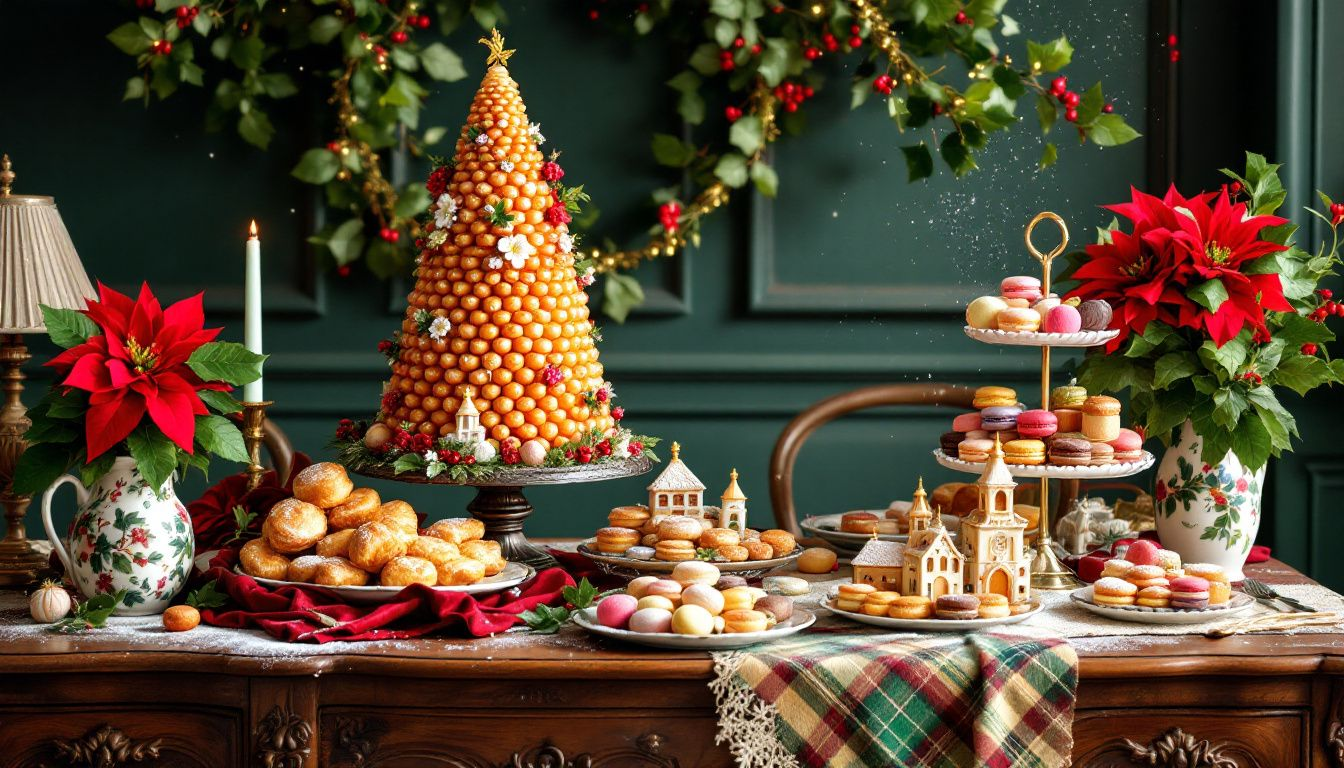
x=516, y=249
x=534, y=131
x=439, y=327
x=566, y=242
x=488, y=208
x=446, y=212
x=502, y=122
x=483, y=452
x=437, y=238
x=482, y=139
x=494, y=262
x=431, y=456
x=506, y=166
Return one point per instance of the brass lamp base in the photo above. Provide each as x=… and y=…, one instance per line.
x=21, y=559
x=22, y=562
x=1047, y=572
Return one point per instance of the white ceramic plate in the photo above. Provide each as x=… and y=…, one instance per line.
x=931, y=625
x=662, y=566
x=797, y=623
x=828, y=527
x=512, y=575
x=1144, y=615
x=1038, y=339
x=1118, y=469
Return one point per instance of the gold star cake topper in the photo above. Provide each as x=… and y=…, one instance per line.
x=498, y=54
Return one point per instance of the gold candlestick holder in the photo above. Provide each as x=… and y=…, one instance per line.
x=1047, y=572
x=254, y=434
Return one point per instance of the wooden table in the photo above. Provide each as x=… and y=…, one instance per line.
x=1162, y=701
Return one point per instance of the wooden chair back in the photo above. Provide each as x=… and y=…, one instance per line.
x=280, y=449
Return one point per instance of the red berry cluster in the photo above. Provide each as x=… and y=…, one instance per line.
x=962, y=19
x=448, y=456
x=551, y=171
x=883, y=84
x=669, y=215
x=347, y=429
x=855, y=36
x=1253, y=378
x=635, y=448
x=793, y=95
x=733, y=113
x=419, y=22
x=343, y=270
x=617, y=413
x=1336, y=213
x=389, y=234
x=1310, y=349
x=508, y=453
x=551, y=375
x=144, y=4
x=185, y=15
x=1175, y=53
x=1234, y=188
x=812, y=53
x=161, y=47
x=1059, y=88
x=726, y=60
x=391, y=401
x=398, y=36
x=558, y=214
x=438, y=181
x=830, y=42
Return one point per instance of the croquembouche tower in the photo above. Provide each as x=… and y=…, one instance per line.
x=498, y=309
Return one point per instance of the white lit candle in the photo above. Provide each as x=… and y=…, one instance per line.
x=252, y=308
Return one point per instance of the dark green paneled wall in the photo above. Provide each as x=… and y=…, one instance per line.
x=850, y=277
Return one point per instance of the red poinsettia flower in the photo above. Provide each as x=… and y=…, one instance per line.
x=138, y=366
x=1220, y=239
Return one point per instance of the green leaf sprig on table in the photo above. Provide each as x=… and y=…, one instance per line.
x=548, y=619
x=208, y=596
x=90, y=614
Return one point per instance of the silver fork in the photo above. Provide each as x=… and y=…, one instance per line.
x=1259, y=589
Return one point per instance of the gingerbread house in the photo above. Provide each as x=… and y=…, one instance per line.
x=992, y=536
x=879, y=563
x=467, y=421
x=932, y=565
x=677, y=491
x=733, y=506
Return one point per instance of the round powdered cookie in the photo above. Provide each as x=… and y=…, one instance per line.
x=324, y=484
x=957, y=607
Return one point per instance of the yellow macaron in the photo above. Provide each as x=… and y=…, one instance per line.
x=986, y=397
x=1024, y=452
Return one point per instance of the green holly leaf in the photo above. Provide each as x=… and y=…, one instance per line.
x=1209, y=294
x=67, y=327
x=1046, y=113
x=747, y=134
x=690, y=104
x=409, y=462
x=324, y=29
x=226, y=361
x=255, y=128
x=246, y=52
x=580, y=596
x=1303, y=373
x=545, y=620
x=220, y=437
x=765, y=179
x=1049, y=57
x=242, y=521
x=774, y=61
x=207, y=596
x=317, y=166
x=1228, y=358
x=130, y=38
x=90, y=614
x=441, y=63
x=1110, y=131
x=620, y=294
x=671, y=151
x=1049, y=154
x=732, y=169
x=1173, y=367
x=135, y=89
x=705, y=59
x=957, y=155
x=918, y=162
x=155, y=455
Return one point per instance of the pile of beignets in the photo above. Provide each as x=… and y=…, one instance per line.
x=334, y=534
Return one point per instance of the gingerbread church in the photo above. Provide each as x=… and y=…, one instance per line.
x=992, y=536
x=498, y=314
x=932, y=564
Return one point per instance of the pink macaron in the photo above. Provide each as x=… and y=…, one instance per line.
x=1062, y=319
x=1021, y=287
x=966, y=422
x=1128, y=445
x=1189, y=592
x=1037, y=423
x=1142, y=552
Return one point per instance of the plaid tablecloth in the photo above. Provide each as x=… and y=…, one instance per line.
x=912, y=700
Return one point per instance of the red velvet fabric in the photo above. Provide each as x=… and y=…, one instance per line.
x=1088, y=566
x=290, y=613
x=212, y=514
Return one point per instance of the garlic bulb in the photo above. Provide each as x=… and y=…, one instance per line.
x=49, y=603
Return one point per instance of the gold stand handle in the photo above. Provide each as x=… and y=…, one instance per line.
x=254, y=433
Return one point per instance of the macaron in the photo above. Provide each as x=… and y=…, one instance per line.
x=966, y=422
x=1068, y=396
x=1109, y=590
x=1189, y=592
x=949, y=442
x=1037, y=423
x=1144, y=552
x=1070, y=451
x=984, y=312
x=1062, y=319
x=1029, y=452
x=1019, y=319
x=957, y=607
x=976, y=451
x=1128, y=445
x=1102, y=454
x=1070, y=419
x=1020, y=287
x=1044, y=306
x=1101, y=418
x=999, y=417
x=986, y=397
x=1095, y=315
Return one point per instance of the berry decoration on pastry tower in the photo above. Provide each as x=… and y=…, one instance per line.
x=496, y=333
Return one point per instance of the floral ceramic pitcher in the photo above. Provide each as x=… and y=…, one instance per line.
x=125, y=537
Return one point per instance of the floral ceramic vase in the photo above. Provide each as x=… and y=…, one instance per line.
x=1207, y=513
x=125, y=537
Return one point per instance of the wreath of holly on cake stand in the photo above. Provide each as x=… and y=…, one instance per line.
x=495, y=378
x=1047, y=572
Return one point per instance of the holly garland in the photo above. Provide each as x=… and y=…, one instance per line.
x=755, y=60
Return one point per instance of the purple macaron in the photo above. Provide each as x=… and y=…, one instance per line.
x=997, y=418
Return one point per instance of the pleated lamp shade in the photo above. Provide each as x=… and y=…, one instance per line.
x=38, y=263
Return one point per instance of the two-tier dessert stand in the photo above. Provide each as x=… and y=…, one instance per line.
x=1047, y=572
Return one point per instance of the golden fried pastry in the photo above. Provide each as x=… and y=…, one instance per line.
x=649, y=540
x=339, y=572
x=258, y=559
x=782, y=542
x=456, y=530
x=816, y=560
x=719, y=537
x=858, y=522
x=745, y=620
x=651, y=526
x=404, y=570
x=323, y=484
x=336, y=544
x=674, y=550
x=486, y=552
x=356, y=510
x=733, y=553
x=436, y=551
x=758, y=550
x=303, y=568
x=679, y=528
x=293, y=526
x=400, y=516
x=615, y=541
x=460, y=572
x=630, y=516
x=374, y=544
